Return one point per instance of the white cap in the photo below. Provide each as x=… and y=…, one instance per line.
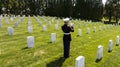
x=66, y=19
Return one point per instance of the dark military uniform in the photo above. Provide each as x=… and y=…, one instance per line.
x=66, y=39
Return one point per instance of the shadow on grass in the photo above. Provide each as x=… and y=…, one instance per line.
x=98, y=60
x=109, y=51
x=117, y=44
x=24, y=48
x=56, y=63
x=78, y=36
x=49, y=42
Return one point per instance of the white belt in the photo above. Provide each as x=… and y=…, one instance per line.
x=66, y=33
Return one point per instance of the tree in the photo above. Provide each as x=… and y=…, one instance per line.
x=117, y=10
x=89, y=9
x=112, y=9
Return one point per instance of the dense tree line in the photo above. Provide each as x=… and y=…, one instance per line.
x=112, y=10
x=85, y=9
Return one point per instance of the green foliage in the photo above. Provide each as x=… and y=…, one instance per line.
x=62, y=8
x=89, y=9
x=112, y=9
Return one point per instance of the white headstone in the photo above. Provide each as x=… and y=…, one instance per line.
x=104, y=27
x=80, y=61
x=7, y=22
x=40, y=23
x=29, y=18
x=56, y=26
x=110, y=45
x=100, y=28
x=0, y=20
x=30, y=29
x=30, y=41
x=96, y=23
x=29, y=23
x=94, y=29
x=16, y=24
x=79, y=25
x=88, y=30
x=53, y=20
x=117, y=40
x=0, y=25
x=50, y=23
x=79, y=32
x=1, y=17
x=100, y=52
x=11, y=19
x=53, y=37
x=10, y=31
x=111, y=25
x=37, y=19
x=44, y=28
x=58, y=22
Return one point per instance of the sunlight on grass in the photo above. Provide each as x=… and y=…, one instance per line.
x=14, y=51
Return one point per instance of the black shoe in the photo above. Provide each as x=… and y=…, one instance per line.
x=66, y=57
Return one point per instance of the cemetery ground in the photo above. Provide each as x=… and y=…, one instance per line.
x=14, y=51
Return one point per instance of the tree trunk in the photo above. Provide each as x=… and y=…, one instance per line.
x=116, y=19
x=110, y=18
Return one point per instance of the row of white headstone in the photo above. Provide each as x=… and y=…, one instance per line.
x=80, y=61
x=83, y=23
x=30, y=40
x=44, y=26
x=38, y=21
x=56, y=25
x=1, y=22
x=79, y=30
x=19, y=21
x=11, y=18
x=30, y=29
x=11, y=30
x=88, y=30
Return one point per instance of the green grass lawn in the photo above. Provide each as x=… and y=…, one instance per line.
x=13, y=51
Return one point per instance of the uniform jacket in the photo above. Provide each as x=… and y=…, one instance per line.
x=67, y=29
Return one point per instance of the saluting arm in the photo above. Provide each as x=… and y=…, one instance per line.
x=72, y=29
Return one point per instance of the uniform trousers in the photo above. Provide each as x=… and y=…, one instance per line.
x=66, y=48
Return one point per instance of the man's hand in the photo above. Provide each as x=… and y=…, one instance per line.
x=72, y=27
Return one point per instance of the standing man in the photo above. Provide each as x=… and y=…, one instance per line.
x=67, y=36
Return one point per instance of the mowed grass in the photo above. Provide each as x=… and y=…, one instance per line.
x=13, y=51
